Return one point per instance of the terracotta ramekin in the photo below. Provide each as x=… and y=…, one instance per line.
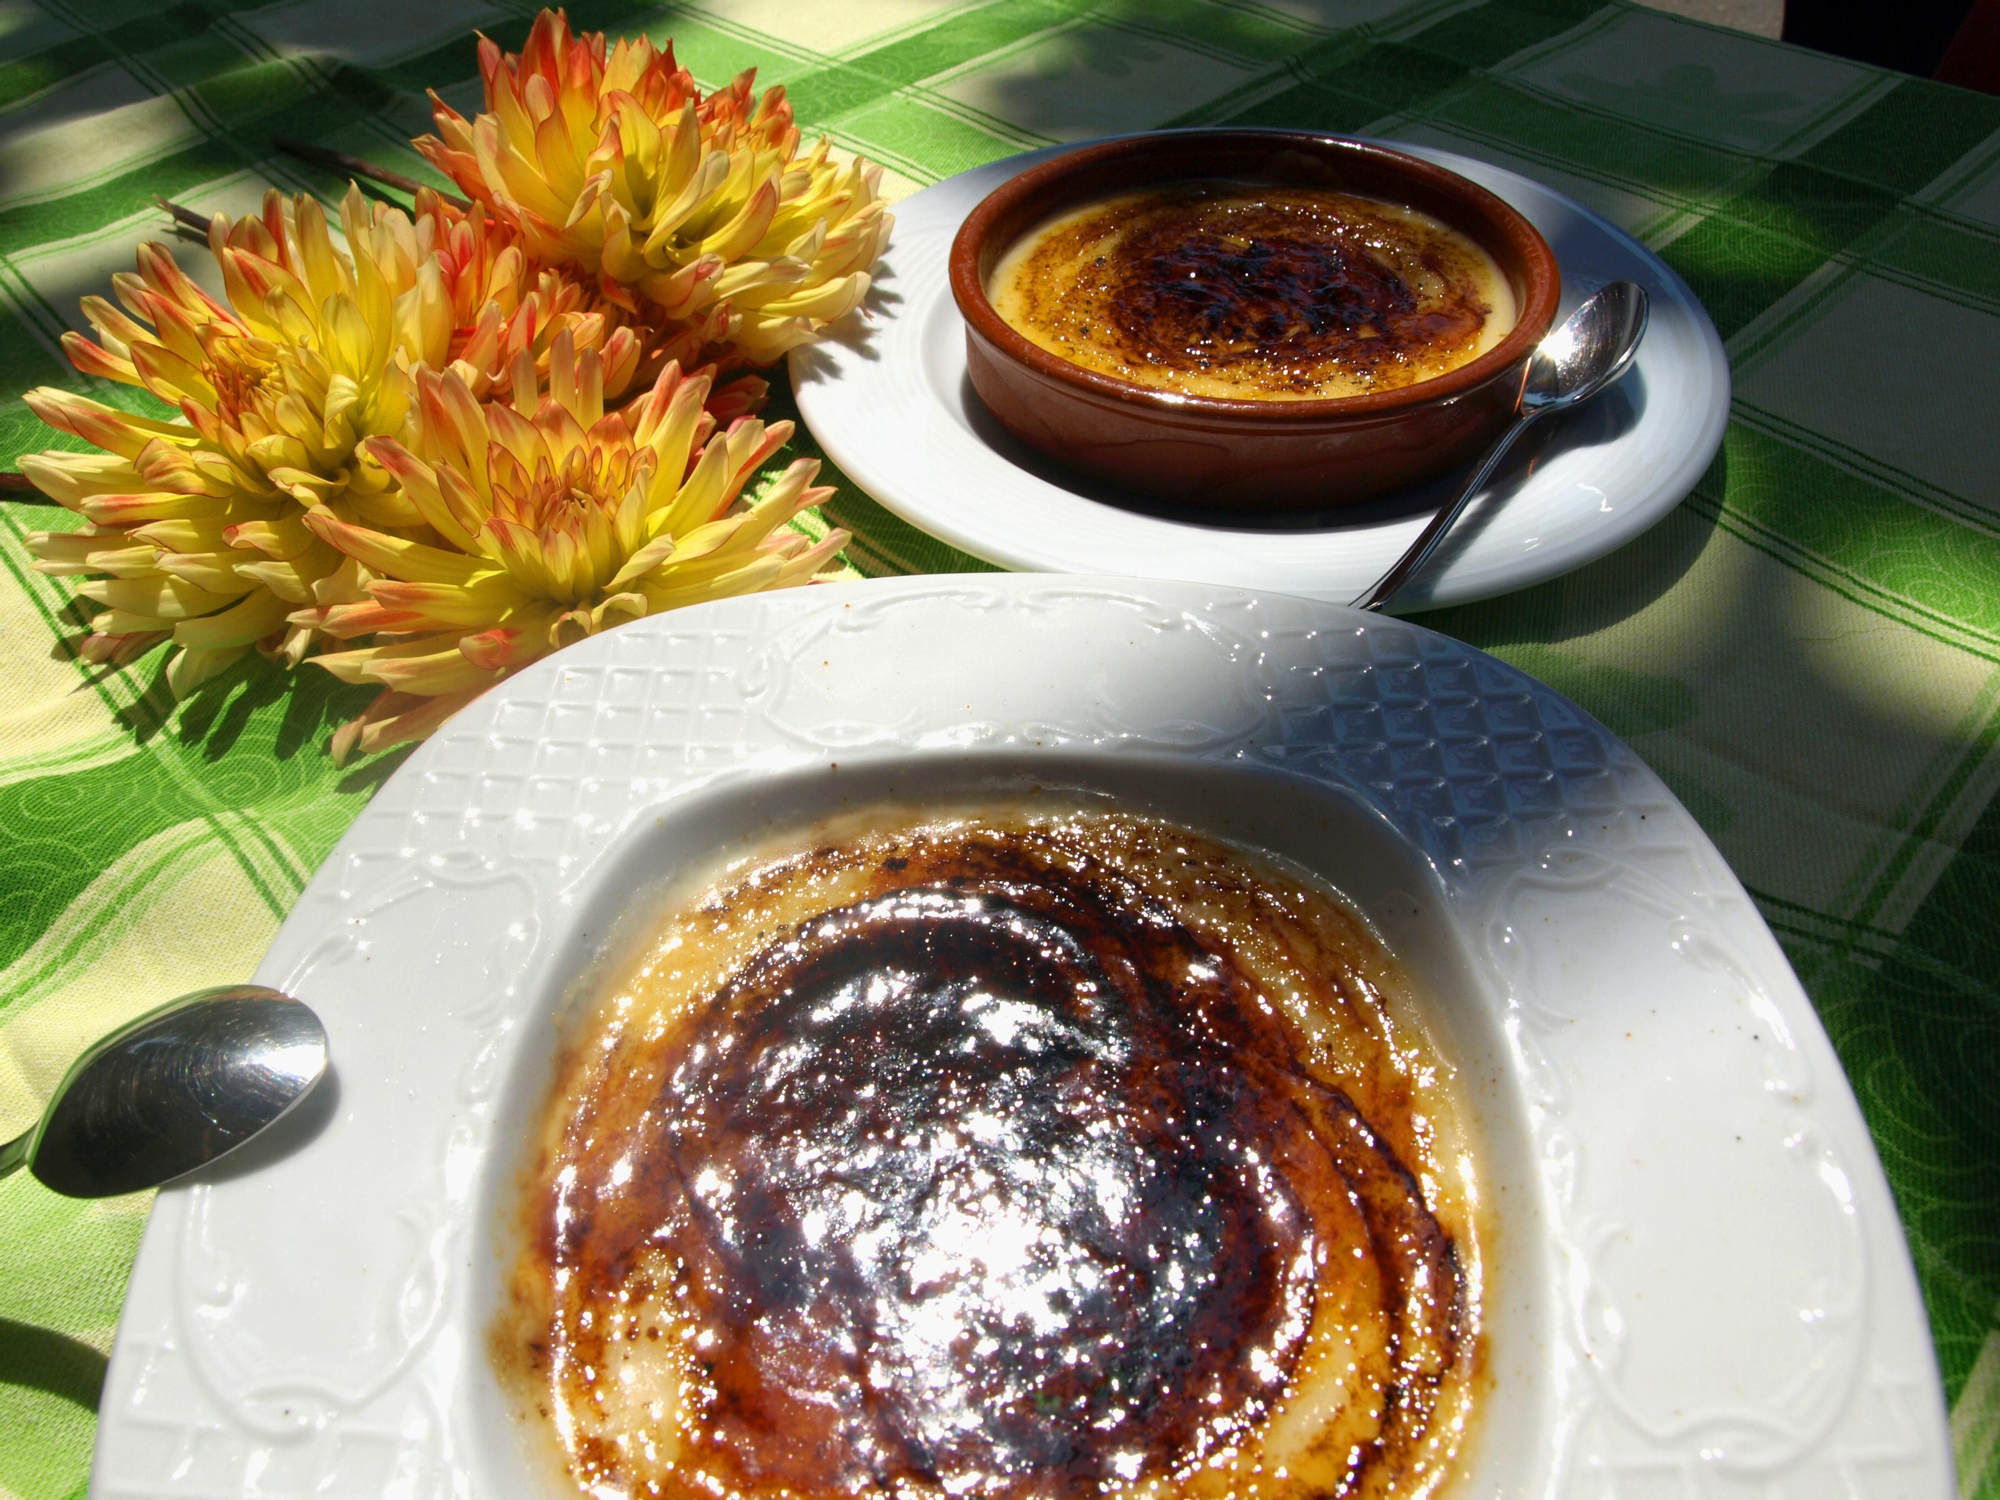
x=1247, y=456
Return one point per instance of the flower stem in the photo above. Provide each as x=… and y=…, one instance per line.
x=340, y=161
x=183, y=214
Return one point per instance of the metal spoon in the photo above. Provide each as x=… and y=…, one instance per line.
x=172, y=1091
x=1594, y=346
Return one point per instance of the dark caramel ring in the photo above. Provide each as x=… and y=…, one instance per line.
x=1002, y=1183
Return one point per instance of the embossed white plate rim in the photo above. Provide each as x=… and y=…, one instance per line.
x=260, y=1354
x=878, y=395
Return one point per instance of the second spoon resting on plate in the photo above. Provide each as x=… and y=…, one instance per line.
x=1591, y=349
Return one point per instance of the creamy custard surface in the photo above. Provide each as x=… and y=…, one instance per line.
x=1254, y=293
x=1005, y=1154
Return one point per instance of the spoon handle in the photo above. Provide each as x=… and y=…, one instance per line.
x=14, y=1155
x=1391, y=582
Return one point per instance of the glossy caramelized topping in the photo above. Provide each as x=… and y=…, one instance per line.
x=1000, y=1157
x=1268, y=293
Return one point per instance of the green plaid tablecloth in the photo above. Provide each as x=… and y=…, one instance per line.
x=1808, y=650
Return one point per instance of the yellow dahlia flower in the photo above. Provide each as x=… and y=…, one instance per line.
x=196, y=527
x=611, y=160
x=555, y=520
x=501, y=305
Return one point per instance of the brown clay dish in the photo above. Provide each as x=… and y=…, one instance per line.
x=1247, y=455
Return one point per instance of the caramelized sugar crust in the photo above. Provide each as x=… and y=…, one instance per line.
x=998, y=1158
x=1259, y=294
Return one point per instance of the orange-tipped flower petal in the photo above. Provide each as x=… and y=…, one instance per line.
x=608, y=158
x=563, y=521
x=278, y=391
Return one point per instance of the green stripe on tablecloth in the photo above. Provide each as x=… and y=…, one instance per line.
x=715, y=53
x=1924, y=822
x=1759, y=244
x=828, y=93
x=1779, y=550
x=1230, y=31
x=1667, y=167
x=1483, y=35
x=28, y=76
x=1944, y=259
x=1345, y=89
x=1888, y=476
x=1907, y=1029
x=103, y=911
x=1908, y=136
x=1908, y=561
x=27, y=225
x=920, y=143
x=51, y=859
x=1008, y=138
x=1383, y=77
x=172, y=780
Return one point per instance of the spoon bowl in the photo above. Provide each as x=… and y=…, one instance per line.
x=176, y=1089
x=1595, y=345
x=1592, y=349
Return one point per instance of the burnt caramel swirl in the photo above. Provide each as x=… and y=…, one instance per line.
x=1273, y=293
x=999, y=1179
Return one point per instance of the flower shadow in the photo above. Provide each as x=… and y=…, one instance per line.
x=311, y=703
x=369, y=776
x=855, y=333
x=213, y=719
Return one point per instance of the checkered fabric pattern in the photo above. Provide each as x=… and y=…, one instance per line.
x=1808, y=650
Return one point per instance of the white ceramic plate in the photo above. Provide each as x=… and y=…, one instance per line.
x=1697, y=1281
x=887, y=398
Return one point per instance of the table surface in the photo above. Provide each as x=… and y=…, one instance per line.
x=1807, y=650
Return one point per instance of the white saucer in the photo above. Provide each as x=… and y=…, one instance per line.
x=1696, y=1282
x=886, y=396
